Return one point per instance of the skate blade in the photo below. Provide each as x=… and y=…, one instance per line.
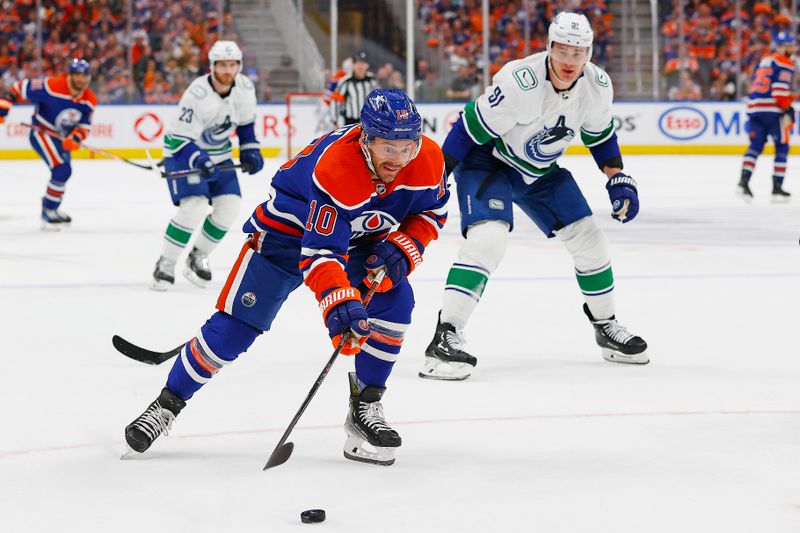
x=189, y=274
x=46, y=226
x=160, y=285
x=631, y=359
x=746, y=197
x=355, y=451
x=780, y=199
x=128, y=453
x=444, y=371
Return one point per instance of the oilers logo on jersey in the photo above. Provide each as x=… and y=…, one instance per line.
x=68, y=119
x=536, y=146
x=371, y=222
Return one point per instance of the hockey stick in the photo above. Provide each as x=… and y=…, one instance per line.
x=195, y=171
x=149, y=357
x=284, y=449
x=95, y=150
x=142, y=355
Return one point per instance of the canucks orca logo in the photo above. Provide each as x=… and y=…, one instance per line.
x=218, y=134
x=370, y=223
x=546, y=145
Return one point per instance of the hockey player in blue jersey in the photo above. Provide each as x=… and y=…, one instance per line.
x=211, y=109
x=770, y=114
x=504, y=151
x=358, y=199
x=62, y=120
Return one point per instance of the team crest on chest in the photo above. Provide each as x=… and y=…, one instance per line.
x=371, y=222
x=547, y=145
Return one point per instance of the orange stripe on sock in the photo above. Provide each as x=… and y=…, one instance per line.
x=386, y=339
x=199, y=357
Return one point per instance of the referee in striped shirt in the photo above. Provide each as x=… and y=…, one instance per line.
x=351, y=92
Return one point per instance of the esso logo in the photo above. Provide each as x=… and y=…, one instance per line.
x=148, y=127
x=370, y=223
x=682, y=123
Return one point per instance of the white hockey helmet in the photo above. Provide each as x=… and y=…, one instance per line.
x=572, y=29
x=225, y=51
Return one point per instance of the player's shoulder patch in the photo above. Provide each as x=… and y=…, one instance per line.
x=245, y=82
x=342, y=173
x=199, y=88
x=425, y=171
x=600, y=76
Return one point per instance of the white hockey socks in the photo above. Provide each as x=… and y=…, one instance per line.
x=589, y=249
x=190, y=212
x=478, y=257
x=216, y=225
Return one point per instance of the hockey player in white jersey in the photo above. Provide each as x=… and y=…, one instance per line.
x=212, y=108
x=504, y=150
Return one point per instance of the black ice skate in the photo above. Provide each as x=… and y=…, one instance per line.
x=54, y=220
x=743, y=190
x=779, y=196
x=157, y=419
x=617, y=344
x=365, y=424
x=445, y=358
x=164, y=274
x=197, y=268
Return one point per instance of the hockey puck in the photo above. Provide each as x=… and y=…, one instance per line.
x=312, y=516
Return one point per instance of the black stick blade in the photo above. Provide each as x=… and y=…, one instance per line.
x=280, y=455
x=142, y=355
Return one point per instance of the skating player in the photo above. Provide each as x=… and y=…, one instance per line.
x=213, y=107
x=504, y=149
x=61, y=120
x=358, y=199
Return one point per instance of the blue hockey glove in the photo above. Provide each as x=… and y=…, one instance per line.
x=343, y=312
x=398, y=254
x=251, y=160
x=624, y=197
x=206, y=166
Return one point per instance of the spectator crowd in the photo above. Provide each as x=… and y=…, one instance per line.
x=150, y=58
x=710, y=50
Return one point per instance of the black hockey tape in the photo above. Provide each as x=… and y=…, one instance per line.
x=312, y=516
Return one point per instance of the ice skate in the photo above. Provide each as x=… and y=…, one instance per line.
x=157, y=419
x=617, y=344
x=197, y=268
x=445, y=358
x=365, y=425
x=163, y=275
x=54, y=220
x=779, y=196
x=744, y=192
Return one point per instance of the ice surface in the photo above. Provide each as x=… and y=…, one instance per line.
x=545, y=437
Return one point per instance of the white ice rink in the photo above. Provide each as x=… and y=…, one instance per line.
x=545, y=437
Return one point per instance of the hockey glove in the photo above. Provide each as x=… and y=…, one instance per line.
x=71, y=142
x=206, y=166
x=344, y=314
x=624, y=197
x=399, y=254
x=251, y=160
x=5, y=107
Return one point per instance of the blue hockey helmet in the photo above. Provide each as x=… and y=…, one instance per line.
x=79, y=66
x=783, y=38
x=390, y=114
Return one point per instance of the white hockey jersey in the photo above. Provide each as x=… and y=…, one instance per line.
x=209, y=120
x=530, y=123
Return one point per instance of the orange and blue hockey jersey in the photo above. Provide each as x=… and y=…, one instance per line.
x=771, y=86
x=325, y=199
